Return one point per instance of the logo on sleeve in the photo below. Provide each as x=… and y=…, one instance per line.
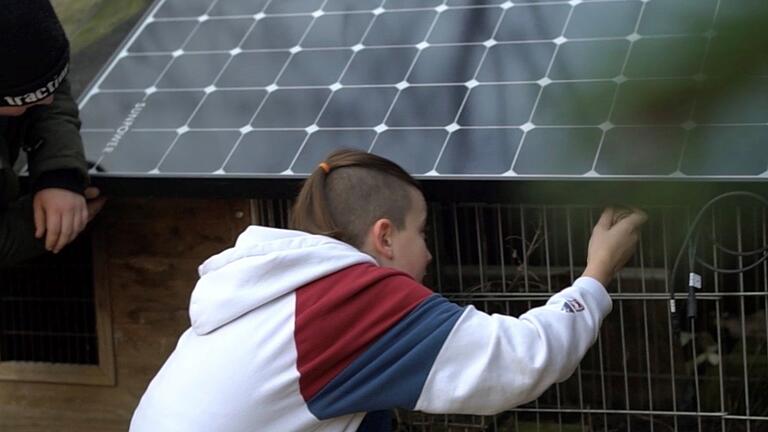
x=572, y=306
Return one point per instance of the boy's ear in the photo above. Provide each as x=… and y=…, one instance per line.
x=381, y=238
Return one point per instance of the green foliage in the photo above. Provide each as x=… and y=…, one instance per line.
x=87, y=21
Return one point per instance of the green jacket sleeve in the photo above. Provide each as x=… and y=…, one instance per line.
x=54, y=143
x=17, y=234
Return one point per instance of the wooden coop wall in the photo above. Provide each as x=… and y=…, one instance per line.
x=641, y=375
x=152, y=248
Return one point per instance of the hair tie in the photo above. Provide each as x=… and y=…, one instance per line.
x=325, y=167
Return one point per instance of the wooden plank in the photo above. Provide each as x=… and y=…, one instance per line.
x=172, y=210
x=103, y=304
x=56, y=373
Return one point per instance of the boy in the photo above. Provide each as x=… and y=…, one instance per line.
x=329, y=328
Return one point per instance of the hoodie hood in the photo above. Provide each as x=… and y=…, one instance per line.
x=264, y=264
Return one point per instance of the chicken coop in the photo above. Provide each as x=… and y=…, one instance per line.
x=646, y=371
x=521, y=119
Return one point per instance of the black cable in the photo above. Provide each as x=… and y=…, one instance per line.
x=698, y=218
x=732, y=271
x=691, y=246
x=737, y=253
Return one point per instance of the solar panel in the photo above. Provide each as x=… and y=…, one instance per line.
x=450, y=89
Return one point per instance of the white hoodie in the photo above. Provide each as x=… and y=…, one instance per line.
x=299, y=332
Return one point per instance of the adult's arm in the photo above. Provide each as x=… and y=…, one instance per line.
x=55, y=148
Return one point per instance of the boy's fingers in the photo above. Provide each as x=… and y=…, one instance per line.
x=643, y=214
x=634, y=220
x=640, y=216
x=39, y=216
x=606, y=219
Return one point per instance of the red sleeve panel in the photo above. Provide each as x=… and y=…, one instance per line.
x=339, y=316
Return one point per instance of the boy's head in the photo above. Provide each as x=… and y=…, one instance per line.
x=35, y=55
x=370, y=203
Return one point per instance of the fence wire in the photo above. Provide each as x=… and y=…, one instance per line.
x=642, y=374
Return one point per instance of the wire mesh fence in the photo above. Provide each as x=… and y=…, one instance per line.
x=645, y=373
x=47, y=308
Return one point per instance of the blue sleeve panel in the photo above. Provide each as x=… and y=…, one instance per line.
x=392, y=372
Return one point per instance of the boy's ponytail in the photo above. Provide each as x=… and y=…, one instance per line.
x=310, y=211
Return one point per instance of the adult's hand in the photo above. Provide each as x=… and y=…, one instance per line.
x=60, y=215
x=94, y=202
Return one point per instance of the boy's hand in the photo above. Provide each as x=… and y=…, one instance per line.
x=61, y=215
x=613, y=242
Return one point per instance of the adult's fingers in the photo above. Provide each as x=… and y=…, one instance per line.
x=67, y=229
x=39, y=216
x=77, y=222
x=94, y=207
x=83, y=217
x=53, y=229
x=91, y=192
